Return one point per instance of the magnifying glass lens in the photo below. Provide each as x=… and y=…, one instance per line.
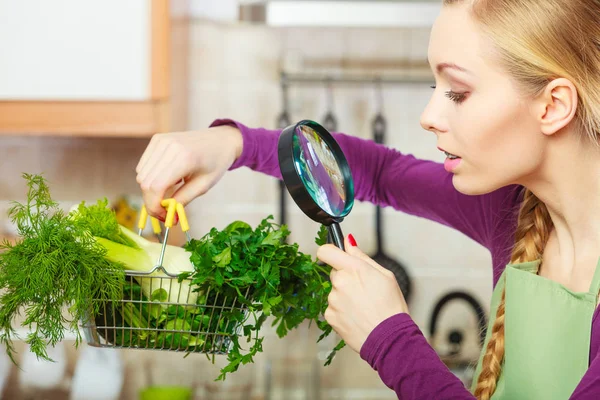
x=319, y=171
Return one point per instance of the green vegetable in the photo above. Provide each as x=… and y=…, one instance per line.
x=145, y=256
x=74, y=261
x=236, y=267
x=153, y=325
x=229, y=282
x=55, y=264
x=135, y=252
x=267, y=276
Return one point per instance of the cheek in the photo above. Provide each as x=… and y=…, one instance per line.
x=499, y=144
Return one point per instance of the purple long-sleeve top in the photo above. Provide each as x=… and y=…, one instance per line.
x=396, y=348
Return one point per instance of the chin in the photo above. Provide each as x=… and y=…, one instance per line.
x=473, y=186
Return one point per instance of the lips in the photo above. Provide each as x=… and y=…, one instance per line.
x=449, y=155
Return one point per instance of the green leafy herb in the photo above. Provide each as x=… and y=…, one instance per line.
x=55, y=264
x=99, y=220
x=267, y=276
x=234, y=280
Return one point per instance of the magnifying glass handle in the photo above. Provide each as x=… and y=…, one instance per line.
x=336, y=235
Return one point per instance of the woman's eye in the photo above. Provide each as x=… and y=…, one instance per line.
x=456, y=97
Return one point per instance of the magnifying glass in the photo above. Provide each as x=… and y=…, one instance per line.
x=317, y=176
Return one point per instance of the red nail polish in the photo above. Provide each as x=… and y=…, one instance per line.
x=351, y=240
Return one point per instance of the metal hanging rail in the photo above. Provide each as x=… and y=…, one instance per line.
x=288, y=79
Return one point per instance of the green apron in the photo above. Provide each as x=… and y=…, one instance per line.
x=547, y=334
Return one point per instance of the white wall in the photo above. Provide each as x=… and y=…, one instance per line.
x=74, y=50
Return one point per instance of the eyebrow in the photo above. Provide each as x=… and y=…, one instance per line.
x=442, y=66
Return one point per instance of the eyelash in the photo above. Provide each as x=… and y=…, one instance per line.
x=454, y=96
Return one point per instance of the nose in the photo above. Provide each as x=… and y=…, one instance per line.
x=431, y=117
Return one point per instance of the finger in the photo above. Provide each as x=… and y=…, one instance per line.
x=147, y=153
x=192, y=188
x=170, y=191
x=165, y=167
x=335, y=257
x=355, y=251
x=152, y=201
x=332, y=275
x=166, y=175
x=165, y=159
x=152, y=160
x=156, y=187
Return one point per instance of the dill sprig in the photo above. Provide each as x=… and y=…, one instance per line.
x=55, y=266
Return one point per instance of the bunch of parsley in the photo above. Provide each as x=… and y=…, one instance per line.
x=267, y=276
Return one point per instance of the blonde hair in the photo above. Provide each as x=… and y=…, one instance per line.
x=537, y=41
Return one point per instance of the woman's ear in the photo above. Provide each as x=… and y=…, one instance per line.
x=556, y=106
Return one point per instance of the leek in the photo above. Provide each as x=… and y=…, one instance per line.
x=144, y=257
x=137, y=253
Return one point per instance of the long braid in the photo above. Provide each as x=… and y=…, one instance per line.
x=492, y=360
x=533, y=229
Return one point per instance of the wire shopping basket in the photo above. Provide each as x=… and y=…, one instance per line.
x=175, y=316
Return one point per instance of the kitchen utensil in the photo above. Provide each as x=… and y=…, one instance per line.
x=283, y=121
x=329, y=120
x=455, y=360
x=316, y=173
x=379, y=126
x=108, y=328
x=471, y=301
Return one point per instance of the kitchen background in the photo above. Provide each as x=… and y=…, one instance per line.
x=77, y=112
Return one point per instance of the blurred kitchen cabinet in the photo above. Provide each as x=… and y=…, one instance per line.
x=93, y=68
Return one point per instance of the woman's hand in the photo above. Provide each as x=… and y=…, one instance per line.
x=199, y=159
x=363, y=293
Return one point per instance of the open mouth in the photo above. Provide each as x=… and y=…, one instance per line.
x=451, y=156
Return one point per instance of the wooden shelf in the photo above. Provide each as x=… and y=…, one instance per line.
x=105, y=119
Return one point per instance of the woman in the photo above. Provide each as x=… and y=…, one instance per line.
x=517, y=111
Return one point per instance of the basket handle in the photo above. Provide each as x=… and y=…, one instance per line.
x=173, y=208
x=144, y=219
